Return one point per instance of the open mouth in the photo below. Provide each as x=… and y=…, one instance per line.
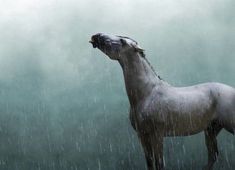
x=94, y=44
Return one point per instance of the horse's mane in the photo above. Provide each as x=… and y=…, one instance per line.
x=142, y=54
x=151, y=67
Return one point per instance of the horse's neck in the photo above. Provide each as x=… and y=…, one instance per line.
x=140, y=78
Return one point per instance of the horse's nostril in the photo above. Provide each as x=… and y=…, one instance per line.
x=97, y=36
x=95, y=40
x=98, y=40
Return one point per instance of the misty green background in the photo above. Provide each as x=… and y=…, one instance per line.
x=63, y=104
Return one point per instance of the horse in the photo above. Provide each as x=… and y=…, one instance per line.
x=158, y=109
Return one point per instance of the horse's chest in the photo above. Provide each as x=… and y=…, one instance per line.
x=145, y=119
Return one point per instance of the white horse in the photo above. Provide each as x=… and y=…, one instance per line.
x=158, y=109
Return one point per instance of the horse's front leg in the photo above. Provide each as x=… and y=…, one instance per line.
x=148, y=150
x=157, y=143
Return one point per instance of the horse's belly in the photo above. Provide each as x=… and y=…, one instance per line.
x=183, y=132
x=187, y=124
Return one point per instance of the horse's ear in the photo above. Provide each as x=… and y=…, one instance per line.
x=137, y=48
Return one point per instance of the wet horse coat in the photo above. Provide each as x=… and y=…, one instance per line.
x=158, y=109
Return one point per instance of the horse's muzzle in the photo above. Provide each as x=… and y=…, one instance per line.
x=96, y=40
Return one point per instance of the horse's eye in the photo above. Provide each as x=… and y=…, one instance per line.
x=115, y=46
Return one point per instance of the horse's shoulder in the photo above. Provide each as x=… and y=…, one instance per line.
x=144, y=120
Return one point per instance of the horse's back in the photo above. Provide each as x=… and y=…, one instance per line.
x=199, y=105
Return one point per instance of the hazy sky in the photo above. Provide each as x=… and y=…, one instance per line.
x=54, y=34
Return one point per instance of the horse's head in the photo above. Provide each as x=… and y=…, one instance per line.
x=115, y=47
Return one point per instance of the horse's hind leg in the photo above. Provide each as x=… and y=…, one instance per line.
x=210, y=136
